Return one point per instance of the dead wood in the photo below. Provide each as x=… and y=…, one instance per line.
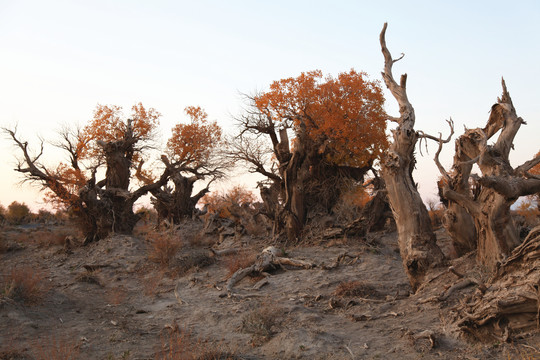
x=478, y=207
x=417, y=245
x=511, y=302
x=267, y=260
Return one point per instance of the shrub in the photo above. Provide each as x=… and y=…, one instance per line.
x=355, y=289
x=17, y=213
x=25, y=284
x=262, y=322
x=222, y=203
x=163, y=247
x=239, y=261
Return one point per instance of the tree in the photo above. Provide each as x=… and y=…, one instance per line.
x=193, y=154
x=17, y=212
x=320, y=131
x=416, y=238
x=486, y=199
x=108, y=142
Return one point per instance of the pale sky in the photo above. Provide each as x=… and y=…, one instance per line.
x=59, y=59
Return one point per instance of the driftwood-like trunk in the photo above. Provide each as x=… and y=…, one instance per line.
x=511, y=303
x=488, y=205
x=418, y=248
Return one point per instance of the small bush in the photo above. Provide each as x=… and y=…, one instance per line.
x=239, y=261
x=26, y=285
x=163, y=247
x=355, y=289
x=262, y=322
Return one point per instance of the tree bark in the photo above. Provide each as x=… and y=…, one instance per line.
x=510, y=304
x=417, y=245
x=498, y=188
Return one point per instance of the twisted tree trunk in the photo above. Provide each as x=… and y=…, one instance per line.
x=417, y=245
x=498, y=188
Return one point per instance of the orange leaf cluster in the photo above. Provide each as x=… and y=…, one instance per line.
x=220, y=202
x=193, y=143
x=344, y=114
x=109, y=125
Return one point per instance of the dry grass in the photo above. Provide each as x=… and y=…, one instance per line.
x=355, y=289
x=180, y=345
x=25, y=284
x=262, y=322
x=55, y=349
x=238, y=261
x=163, y=247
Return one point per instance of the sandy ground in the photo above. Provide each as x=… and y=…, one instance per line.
x=108, y=300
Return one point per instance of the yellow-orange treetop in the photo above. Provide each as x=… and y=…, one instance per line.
x=108, y=124
x=344, y=115
x=192, y=144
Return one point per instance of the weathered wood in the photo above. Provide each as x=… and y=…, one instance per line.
x=488, y=207
x=417, y=245
x=511, y=302
x=267, y=260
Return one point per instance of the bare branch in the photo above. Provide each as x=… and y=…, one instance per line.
x=522, y=169
x=440, y=140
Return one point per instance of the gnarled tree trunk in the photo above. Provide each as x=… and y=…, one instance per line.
x=498, y=188
x=417, y=242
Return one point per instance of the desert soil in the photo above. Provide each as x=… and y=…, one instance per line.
x=108, y=300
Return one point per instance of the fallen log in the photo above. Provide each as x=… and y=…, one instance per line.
x=267, y=260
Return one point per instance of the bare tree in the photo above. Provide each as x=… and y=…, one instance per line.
x=485, y=201
x=417, y=241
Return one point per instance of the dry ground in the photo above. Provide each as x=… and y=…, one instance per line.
x=114, y=300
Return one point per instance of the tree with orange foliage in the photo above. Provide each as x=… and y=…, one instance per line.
x=109, y=142
x=193, y=154
x=320, y=130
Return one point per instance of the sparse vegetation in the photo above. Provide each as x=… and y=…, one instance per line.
x=262, y=322
x=181, y=345
x=51, y=348
x=24, y=284
x=163, y=246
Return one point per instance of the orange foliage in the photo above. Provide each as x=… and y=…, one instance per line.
x=192, y=144
x=536, y=170
x=344, y=114
x=359, y=195
x=220, y=202
x=109, y=125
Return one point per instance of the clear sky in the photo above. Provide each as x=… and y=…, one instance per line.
x=59, y=59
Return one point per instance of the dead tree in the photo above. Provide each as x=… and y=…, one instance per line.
x=418, y=248
x=488, y=202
